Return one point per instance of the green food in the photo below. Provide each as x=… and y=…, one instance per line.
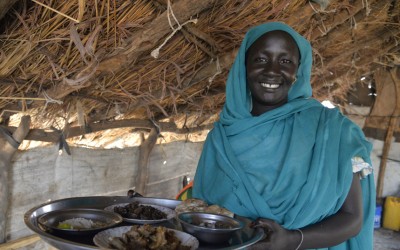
x=64, y=226
x=79, y=224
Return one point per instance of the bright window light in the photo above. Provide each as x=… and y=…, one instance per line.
x=328, y=104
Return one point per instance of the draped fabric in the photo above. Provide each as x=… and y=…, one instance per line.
x=291, y=164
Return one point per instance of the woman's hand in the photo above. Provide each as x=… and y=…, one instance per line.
x=331, y=231
x=277, y=237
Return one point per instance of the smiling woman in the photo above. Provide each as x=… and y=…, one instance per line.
x=301, y=171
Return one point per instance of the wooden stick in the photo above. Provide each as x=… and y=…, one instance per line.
x=21, y=98
x=81, y=11
x=20, y=243
x=7, y=150
x=143, y=125
x=145, y=149
x=385, y=153
x=389, y=135
x=56, y=11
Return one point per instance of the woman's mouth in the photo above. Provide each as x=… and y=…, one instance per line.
x=270, y=85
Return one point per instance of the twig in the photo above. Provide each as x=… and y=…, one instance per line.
x=56, y=11
x=22, y=98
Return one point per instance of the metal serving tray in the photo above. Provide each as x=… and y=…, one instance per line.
x=240, y=240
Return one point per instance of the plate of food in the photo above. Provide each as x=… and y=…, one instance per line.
x=145, y=237
x=78, y=221
x=197, y=205
x=139, y=213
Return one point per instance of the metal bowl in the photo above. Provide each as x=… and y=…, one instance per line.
x=170, y=213
x=102, y=219
x=209, y=228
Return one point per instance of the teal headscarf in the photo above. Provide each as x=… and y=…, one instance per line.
x=291, y=164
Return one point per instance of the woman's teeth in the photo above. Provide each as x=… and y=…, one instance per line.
x=271, y=86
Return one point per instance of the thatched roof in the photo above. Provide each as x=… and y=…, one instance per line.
x=87, y=65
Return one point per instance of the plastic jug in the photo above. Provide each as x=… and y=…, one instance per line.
x=391, y=213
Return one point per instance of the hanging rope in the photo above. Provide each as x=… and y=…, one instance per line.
x=211, y=79
x=155, y=53
x=50, y=100
x=367, y=8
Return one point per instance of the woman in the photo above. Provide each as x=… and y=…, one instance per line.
x=300, y=170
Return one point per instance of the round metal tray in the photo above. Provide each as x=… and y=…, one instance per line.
x=240, y=240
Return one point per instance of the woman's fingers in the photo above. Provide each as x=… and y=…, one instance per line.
x=262, y=222
x=267, y=225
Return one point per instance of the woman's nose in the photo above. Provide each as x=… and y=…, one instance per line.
x=272, y=68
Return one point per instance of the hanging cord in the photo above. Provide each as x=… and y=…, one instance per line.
x=367, y=8
x=211, y=79
x=155, y=53
x=50, y=100
x=312, y=7
x=158, y=129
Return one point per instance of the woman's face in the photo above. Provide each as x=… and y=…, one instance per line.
x=271, y=66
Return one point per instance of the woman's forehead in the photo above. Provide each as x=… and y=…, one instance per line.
x=275, y=34
x=270, y=38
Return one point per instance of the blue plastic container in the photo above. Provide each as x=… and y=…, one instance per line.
x=378, y=215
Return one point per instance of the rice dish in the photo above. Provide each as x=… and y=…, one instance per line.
x=79, y=223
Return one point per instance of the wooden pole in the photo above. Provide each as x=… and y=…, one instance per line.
x=141, y=125
x=385, y=153
x=144, y=152
x=21, y=243
x=7, y=150
x=394, y=121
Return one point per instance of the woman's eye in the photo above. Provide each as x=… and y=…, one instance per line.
x=285, y=61
x=261, y=59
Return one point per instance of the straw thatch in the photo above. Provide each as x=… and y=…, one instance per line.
x=83, y=66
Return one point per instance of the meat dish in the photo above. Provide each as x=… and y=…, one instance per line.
x=144, y=237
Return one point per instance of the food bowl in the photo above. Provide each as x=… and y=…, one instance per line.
x=78, y=221
x=209, y=228
x=170, y=214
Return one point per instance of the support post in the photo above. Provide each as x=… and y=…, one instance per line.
x=8, y=146
x=145, y=149
x=394, y=121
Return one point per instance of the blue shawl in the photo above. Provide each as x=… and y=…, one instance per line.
x=291, y=164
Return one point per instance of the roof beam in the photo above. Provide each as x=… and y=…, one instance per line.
x=46, y=135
